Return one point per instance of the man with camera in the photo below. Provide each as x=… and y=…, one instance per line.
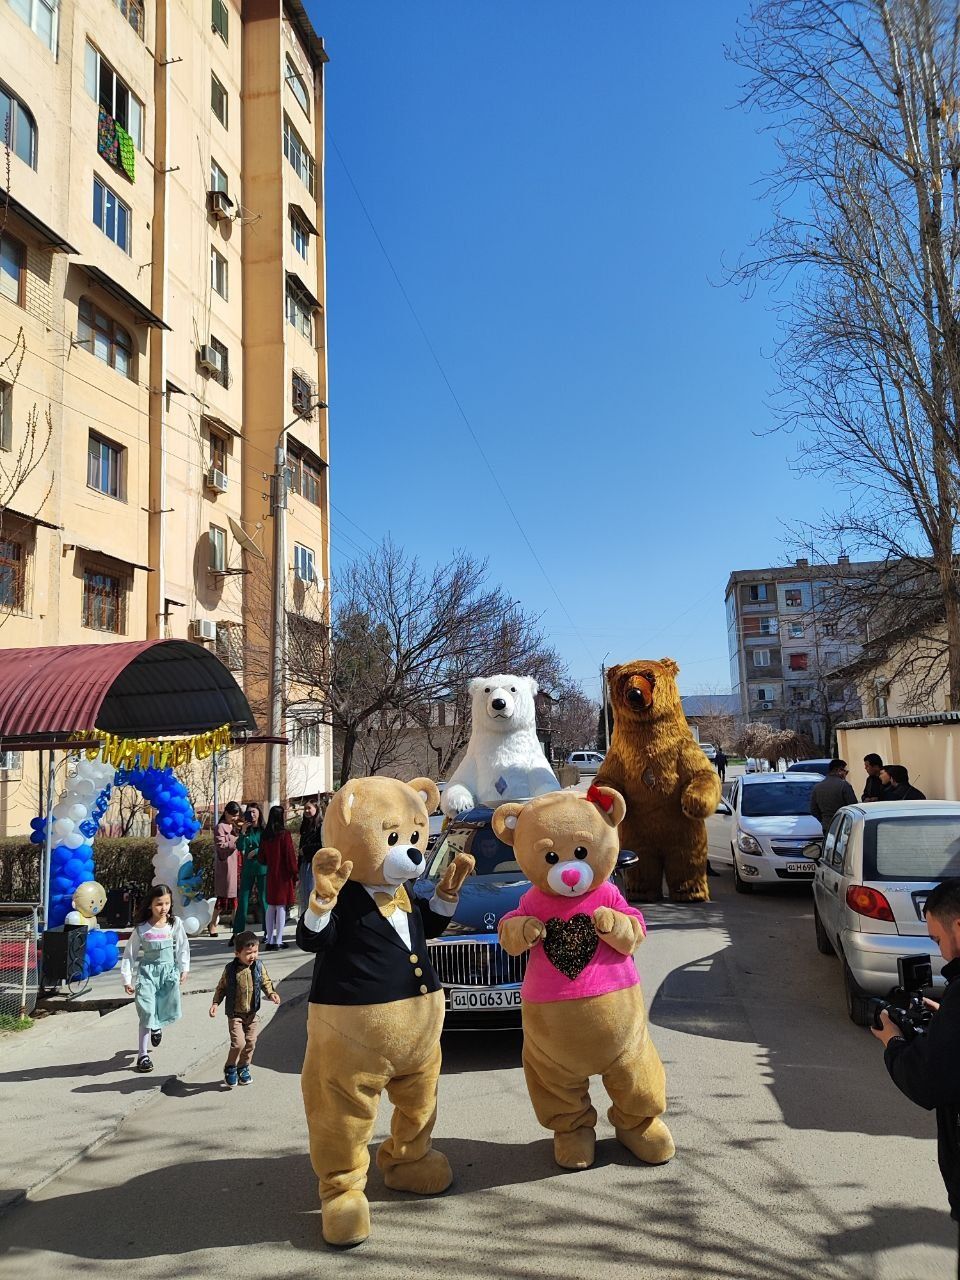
x=925, y=1064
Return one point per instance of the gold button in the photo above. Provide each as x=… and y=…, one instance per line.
x=423, y=990
x=414, y=959
x=418, y=972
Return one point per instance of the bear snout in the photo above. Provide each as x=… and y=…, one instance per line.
x=415, y=856
x=498, y=704
x=570, y=879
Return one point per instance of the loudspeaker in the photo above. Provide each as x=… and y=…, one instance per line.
x=119, y=909
x=64, y=953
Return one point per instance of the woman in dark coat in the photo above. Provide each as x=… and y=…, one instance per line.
x=279, y=855
x=310, y=841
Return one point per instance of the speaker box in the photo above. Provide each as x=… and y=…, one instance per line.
x=119, y=909
x=64, y=953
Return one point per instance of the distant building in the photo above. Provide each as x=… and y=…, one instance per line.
x=714, y=717
x=787, y=635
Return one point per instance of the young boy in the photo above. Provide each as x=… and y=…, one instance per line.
x=241, y=983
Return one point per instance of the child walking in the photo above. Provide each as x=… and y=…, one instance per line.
x=159, y=947
x=277, y=852
x=241, y=984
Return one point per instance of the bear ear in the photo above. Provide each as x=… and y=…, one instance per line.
x=504, y=822
x=476, y=683
x=534, y=687
x=343, y=800
x=609, y=804
x=428, y=792
x=672, y=668
x=612, y=672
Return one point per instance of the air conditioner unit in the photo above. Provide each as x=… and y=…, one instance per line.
x=209, y=359
x=221, y=206
x=765, y=706
x=204, y=629
x=217, y=480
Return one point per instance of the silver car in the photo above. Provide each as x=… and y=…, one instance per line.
x=771, y=828
x=877, y=864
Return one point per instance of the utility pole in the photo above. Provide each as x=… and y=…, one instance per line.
x=604, y=694
x=278, y=509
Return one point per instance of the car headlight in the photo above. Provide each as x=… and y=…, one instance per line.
x=747, y=844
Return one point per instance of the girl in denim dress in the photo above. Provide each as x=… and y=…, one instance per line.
x=159, y=947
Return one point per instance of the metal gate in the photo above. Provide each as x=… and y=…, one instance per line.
x=19, y=972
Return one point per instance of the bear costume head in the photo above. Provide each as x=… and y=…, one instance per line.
x=565, y=843
x=380, y=825
x=645, y=691
x=502, y=704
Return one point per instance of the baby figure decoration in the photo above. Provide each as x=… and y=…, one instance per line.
x=88, y=901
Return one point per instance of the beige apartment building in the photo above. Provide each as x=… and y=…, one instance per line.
x=162, y=308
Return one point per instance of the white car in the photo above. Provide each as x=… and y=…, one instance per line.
x=770, y=827
x=709, y=750
x=586, y=761
x=877, y=865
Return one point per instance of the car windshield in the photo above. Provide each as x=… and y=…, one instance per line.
x=912, y=848
x=777, y=800
x=490, y=853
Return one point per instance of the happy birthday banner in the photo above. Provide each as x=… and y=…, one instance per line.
x=144, y=753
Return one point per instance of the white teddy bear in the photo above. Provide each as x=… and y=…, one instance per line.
x=504, y=759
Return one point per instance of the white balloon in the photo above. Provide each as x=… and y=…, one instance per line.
x=191, y=924
x=74, y=840
x=87, y=768
x=78, y=812
x=62, y=810
x=62, y=827
x=83, y=787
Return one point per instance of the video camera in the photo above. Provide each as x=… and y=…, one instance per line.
x=905, y=1008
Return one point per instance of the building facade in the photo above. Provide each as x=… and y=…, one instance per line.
x=162, y=330
x=786, y=635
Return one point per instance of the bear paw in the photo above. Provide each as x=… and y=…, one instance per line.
x=652, y=1145
x=574, y=1150
x=428, y=1176
x=457, y=799
x=346, y=1219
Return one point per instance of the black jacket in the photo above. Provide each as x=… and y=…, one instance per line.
x=828, y=796
x=361, y=959
x=904, y=792
x=927, y=1070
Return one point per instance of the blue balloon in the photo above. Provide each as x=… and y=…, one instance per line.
x=37, y=824
x=36, y=837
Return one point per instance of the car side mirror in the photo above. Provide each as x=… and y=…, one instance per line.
x=725, y=809
x=627, y=858
x=813, y=851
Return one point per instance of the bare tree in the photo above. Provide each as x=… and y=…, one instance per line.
x=862, y=96
x=573, y=719
x=715, y=721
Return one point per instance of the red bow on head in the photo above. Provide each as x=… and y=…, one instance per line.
x=596, y=796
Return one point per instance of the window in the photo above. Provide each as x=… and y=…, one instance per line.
x=12, y=578
x=6, y=415
x=104, y=467
x=769, y=626
x=306, y=739
x=18, y=127
x=303, y=566
x=220, y=19
x=218, y=100
x=103, y=600
x=798, y=662
x=763, y=695
x=218, y=549
x=299, y=311
x=757, y=592
x=793, y=597
x=218, y=452
x=305, y=475
x=829, y=629
x=218, y=179
x=223, y=355
x=11, y=762
x=300, y=236
x=104, y=338
x=13, y=255
x=132, y=10
x=798, y=696
x=796, y=630
x=761, y=657
x=41, y=17
x=218, y=273
x=298, y=155
x=880, y=699
x=112, y=94
x=303, y=393
x=298, y=86
x=111, y=215
x=229, y=645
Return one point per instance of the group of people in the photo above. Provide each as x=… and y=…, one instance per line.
x=253, y=854
x=883, y=782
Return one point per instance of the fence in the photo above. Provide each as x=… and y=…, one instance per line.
x=19, y=972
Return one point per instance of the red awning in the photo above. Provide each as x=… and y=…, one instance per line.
x=136, y=689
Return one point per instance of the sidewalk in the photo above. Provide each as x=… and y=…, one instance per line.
x=68, y=1085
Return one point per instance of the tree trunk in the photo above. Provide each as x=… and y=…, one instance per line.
x=346, y=755
x=951, y=609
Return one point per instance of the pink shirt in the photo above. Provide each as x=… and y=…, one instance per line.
x=607, y=970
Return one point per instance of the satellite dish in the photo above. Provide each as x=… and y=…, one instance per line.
x=244, y=539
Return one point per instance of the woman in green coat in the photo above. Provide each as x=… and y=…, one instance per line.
x=254, y=870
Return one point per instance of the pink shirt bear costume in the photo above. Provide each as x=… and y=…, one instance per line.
x=572, y=961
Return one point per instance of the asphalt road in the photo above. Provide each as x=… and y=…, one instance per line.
x=796, y=1156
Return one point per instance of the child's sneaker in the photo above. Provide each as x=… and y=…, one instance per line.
x=245, y=1077
x=230, y=1077
x=144, y=1064
x=156, y=1036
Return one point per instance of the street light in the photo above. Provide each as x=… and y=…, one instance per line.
x=278, y=509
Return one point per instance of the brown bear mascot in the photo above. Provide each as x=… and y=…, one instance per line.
x=666, y=780
x=376, y=1006
x=583, y=1012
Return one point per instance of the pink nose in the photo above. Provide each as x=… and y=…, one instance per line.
x=571, y=877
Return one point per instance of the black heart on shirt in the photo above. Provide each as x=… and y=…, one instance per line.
x=571, y=944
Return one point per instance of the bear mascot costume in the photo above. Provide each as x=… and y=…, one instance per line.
x=376, y=1006
x=504, y=759
x=669, y=785
x=582, y=1005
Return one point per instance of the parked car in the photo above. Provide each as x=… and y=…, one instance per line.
x=437, y=819
x=754, y=765
x=874, y=870
x=810, y=766
x=479, y=979
x=709, y=750
x=586, y=761
x=770, y=827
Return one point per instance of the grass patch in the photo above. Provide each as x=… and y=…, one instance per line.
x=9, y=1023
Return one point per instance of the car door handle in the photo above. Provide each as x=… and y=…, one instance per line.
x=835, y=886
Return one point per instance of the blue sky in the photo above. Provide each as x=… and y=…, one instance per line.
x=557, y=185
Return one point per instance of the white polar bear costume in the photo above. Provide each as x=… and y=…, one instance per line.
x=504, y=759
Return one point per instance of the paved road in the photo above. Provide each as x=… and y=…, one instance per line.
x=797, y=1157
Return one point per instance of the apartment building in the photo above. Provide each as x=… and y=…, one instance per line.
x=163, y=329
x=785, y=636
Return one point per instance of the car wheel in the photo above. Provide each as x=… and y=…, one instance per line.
x=858, y=1004
x=739, y=883
x=824, y=945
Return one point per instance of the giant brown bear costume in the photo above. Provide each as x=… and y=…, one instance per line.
x=669, y=785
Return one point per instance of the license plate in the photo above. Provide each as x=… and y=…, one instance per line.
x=800, y=868
x=921, y=900
x=483, y=999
